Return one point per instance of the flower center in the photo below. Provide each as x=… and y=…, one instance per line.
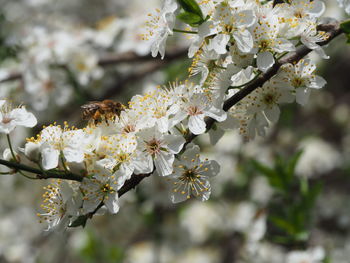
x=129, y=128
x=264, y=45
x=123, y=157
x=106, y=188
x=269, y=99
x=190, y=175
x=194, y=110
x=6, y=120
x=299, y=14
x=154, y=146
x=297, y=82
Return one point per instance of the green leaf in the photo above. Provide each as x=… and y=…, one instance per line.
x=80, y=221
x=276, y=179
x=190, y=18
x=345, y=26
x=191, y=6
x=292, y=163
x=282, y=224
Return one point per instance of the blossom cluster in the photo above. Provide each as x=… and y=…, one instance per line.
x=235, y=43
x=147, y=137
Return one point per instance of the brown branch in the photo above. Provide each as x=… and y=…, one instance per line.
x=115, y=59
x=131, y=57
x=12, y=76
x=40, y=174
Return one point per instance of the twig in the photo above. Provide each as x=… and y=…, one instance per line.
x=114, y=59
x=40, y=174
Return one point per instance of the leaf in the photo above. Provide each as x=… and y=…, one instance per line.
x=293, y=163
x=80, y=221
x=282, y=224
x=345, y=26
x=191, y=6
x=190, y=18
x=276, y=179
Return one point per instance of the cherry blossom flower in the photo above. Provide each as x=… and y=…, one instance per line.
x=160, y=148
x=195, y=107
x=103, y=188
x=11, y=117
x=300, y=78
x=55, y=141
x=160, y=26
x=60, y=205
x=191, y=176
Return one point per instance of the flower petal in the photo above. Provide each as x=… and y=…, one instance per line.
x=265, y=61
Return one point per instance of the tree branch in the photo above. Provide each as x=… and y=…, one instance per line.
x=115, y=59
x=40, y=174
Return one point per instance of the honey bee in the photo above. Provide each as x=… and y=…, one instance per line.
x=98, y=111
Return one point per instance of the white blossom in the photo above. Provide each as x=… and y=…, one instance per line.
x=160, y=26
x=160, y=148
x=60, y=205
x=301, y=78
x=11, y=117
x=191, y=176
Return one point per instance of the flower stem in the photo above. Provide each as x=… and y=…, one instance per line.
x=11, y=149
x=63, y=163
x=15, y=158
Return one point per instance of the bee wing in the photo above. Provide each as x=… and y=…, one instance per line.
x=92, y=105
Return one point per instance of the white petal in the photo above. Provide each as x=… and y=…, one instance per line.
x=73, y=155
x=319, y=82
x=273, y=113
x=163, y=124
x=174, y=142
x=164, y=163
x=219, y=43
x=111, y=202
x=317, y=9
x=143, y=164
x=213, y=168
x=196, y=124
x=23, y=117
x=177, y=197
x=31, y=150
x=90, y=204
x=49, y=157
x=245, y=18
x=283, y=45
x=217, y=114
x=302, y=96
x=7, y=127
x=244, y=40
x=265, y=61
